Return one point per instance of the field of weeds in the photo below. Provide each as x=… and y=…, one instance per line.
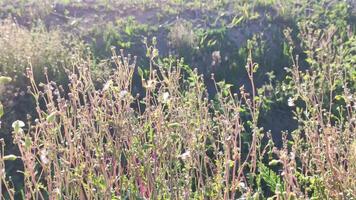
x=177, y=99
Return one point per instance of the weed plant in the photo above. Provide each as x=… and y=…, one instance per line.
x=175, y=143
x=174, y=140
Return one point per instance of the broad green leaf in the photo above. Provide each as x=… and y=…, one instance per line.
x=273, y=162
x=10, y=157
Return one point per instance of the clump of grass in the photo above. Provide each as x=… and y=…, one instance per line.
x=181, y=35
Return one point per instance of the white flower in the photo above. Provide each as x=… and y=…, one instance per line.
x=185, y=155
x=165, y=97
x=291, y=102
x=242, y=185
x=107, y=85
x=123, y=93
x=18, y=125
x=349, y=97
x=57, y=191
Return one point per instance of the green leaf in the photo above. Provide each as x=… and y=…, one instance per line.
x=65, y=2
x=1, y=110
x=5, y=79
x=339, y=97
x=10, y=157
x=174, y=125
x=51, y=117
x=273, y=162
x=236, y=21
x=28, y=142
x=129, y=30
x=255, y=68
x=272, y=180
x=140, y=72
x=309, y=60
x=211, y=43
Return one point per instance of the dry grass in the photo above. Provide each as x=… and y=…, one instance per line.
x=42, y=48
x=181, y=35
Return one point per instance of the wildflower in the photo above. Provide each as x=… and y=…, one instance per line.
x=185, y=155
x=349, y=98
x=291, y=102
x=242, y=186
x=17, y=126
x=123, y=93
x=18, y=123
x=165, y=97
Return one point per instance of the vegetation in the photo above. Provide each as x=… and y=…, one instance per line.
x=178, y=99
